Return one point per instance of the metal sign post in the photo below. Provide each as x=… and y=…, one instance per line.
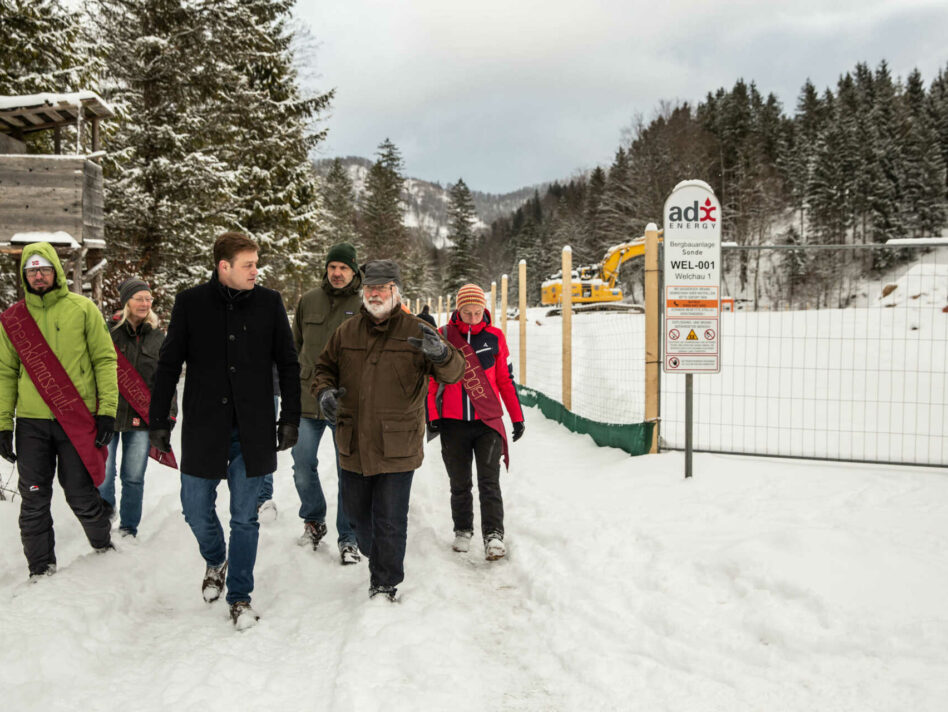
x=692, y=294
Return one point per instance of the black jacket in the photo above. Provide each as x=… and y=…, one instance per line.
x=230, y=341
x=140, y=346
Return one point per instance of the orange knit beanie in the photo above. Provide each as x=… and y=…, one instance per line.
x=471, y=294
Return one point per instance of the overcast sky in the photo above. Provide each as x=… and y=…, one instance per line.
x=508, y=93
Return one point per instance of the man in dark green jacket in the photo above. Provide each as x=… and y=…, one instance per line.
x=77, y=335
x=319, y=313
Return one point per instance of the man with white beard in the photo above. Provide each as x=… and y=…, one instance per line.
x=372, y=380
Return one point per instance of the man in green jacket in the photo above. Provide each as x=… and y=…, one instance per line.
x=77, y=335
x=319, y=313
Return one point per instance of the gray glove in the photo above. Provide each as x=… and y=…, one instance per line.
x=329, y=402
x=431, y=345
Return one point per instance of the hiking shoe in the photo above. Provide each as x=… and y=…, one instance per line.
x=382, y=592
x=243, y=615
x=267, y=511
x=462, y=541
x=214, y=582
x=48, y=571
x=349, y=553
x=494, y=546
x=313, y=533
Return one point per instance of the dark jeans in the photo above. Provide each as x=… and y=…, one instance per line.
x=306, y=477
x=460, y=442
x=198, y=499
x=377, y=506
x=40, y=444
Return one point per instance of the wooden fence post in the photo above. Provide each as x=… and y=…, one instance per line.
x=652, y=333
x=438, y=318
x=522, y=304
x=567, y=328
x=493, y=301
x=503, y=304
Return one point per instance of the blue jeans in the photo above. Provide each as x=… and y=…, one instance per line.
x=306, y=478
x=135, y=449
x=266, y=489
x=198, y=499
x=378, y=507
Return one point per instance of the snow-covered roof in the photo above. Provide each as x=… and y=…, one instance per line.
x=37, y=112
x=53, y=238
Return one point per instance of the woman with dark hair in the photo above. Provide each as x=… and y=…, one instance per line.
x=137, y=337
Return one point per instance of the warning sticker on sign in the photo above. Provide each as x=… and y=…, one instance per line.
x=692, y=336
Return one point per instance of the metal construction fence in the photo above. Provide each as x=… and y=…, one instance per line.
x=830, y=352
x=849, y=363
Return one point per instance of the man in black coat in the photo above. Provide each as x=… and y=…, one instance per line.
x=231, y=333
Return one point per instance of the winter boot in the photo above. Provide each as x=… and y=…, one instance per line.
x=214, y=582
x=49, y=571
x=349, y=553
x=462, y=541
x=494, y=546
x=104, y=549
x=386, y=593
x=243, y=615
x=313, y=533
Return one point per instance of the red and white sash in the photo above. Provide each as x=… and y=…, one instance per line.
x=134, y=389
x=478, y=388
x=55, y=387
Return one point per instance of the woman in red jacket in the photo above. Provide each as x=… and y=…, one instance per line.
x=469, y=417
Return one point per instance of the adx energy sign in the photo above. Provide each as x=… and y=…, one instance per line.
x=692, y=246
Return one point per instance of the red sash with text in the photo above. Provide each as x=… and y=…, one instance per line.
x=478, y=388
x=55, y=387
x=134, y=389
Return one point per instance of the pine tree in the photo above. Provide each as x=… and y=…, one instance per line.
x=923, y=210
x=265, y=141
x=462, y=264
x=339, y=204
x=44, y=48
x=383, y=234
x=169, y=191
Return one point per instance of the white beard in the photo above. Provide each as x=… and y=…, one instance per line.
x=381, y=309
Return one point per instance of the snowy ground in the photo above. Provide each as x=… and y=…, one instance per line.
x=758, y=585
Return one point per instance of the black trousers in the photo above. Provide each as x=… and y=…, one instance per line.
x=377, y=508
x=39, y=444
x=462, y=441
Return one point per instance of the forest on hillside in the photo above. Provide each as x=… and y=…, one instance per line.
x=213, y=132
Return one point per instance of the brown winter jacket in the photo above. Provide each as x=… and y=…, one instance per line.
x=380, y=425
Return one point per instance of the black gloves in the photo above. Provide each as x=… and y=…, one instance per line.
x=160, y=440
x=518, y=430
x=431, y=345
x=435, y=426
x=329, y=402
x=287, y=435
x=172, y=421
x=6, y=445
x=105, y=429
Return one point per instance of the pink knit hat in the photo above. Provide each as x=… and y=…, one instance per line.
x=471, y=294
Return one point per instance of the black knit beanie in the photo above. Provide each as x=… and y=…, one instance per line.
x=130, y=287
x=345, y=253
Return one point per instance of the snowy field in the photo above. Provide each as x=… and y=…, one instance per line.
x=758, y=585
x=864, y=383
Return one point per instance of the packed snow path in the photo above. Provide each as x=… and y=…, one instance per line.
x=759, y=584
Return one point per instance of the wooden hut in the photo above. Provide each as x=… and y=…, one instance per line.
x=57, y=198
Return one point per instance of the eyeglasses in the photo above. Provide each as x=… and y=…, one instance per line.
x=378, y=288
x=45, y=271
x=142, y=300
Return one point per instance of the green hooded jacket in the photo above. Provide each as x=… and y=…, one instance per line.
x=77, y=334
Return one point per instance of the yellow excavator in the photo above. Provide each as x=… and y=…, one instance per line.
x=594, y=283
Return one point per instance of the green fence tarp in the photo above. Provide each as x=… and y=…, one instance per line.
x=635, y=439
